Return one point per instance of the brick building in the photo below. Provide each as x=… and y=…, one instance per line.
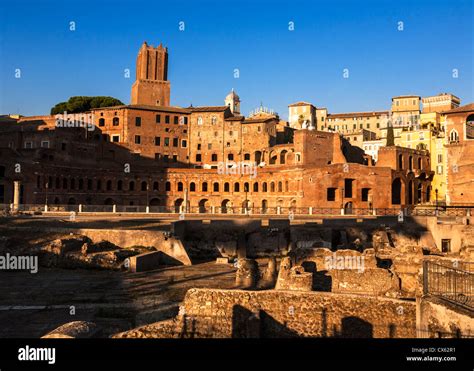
x=199, y=159
x=460, y=155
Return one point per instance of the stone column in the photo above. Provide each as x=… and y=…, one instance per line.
x=16, y=194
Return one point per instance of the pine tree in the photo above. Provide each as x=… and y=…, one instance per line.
x=390, y=136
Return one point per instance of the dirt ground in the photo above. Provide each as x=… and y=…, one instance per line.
x=31, y=305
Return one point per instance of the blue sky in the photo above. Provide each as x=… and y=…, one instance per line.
x=276, y=66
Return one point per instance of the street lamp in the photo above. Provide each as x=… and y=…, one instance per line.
x=46, y=198
x=342, y=198
x=436, y=192
x=147, y=192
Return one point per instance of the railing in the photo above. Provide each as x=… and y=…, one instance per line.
x=441, y=211
x=451, y=282
x=239, y=210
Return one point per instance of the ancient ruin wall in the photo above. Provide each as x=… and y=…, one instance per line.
x=237, y=313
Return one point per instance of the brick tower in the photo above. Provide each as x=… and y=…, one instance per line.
x=151, y=86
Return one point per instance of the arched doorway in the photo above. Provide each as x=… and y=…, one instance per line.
x=203, y=206
x=264, y=206
x=410, y=192
x=155, y=202
x=177, y=205
x=226, y=206
x=396, y=192
x=348, y=208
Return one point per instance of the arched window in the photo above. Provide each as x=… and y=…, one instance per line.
x=99, y=185
x=420, y=163
x=236, y=187
x=58, y=183
x=64, y=183
x=131, y=186
x=273, y=158
x=73, y=183
x=180, y=186
x=144, y=186
x=283, y=157
x=470, y=127
x=119, y=185
x=453, y=136
x=199, y=120
x=192, y=187
x=255, y=187
x=156, y=186
x=410, y=163
x=115, y=121
x=226, y=187
x=101, y=122
x=167, y=186
x=246, y=187
x=204, y=187
x=109, y=185
x=81, y=184
x=280, y=187
x=272, y=187
x=400, y=161
x=216, y=187
x=264, y=187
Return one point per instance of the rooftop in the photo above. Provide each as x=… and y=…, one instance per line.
x=466, y=108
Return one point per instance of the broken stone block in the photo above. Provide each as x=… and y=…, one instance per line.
x=145, y=262
x=300, y=280
x=247, y=273
x=73, y=330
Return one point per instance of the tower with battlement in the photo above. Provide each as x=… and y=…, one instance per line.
x=151, y=86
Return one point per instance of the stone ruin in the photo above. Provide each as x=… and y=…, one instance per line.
x=293, y=277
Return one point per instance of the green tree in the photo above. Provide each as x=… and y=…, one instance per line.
x=82, y=104
x=390, y=136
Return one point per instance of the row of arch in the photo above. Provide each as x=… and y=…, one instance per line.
x=132, y=185
x=415, y=192
x=413, y=163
